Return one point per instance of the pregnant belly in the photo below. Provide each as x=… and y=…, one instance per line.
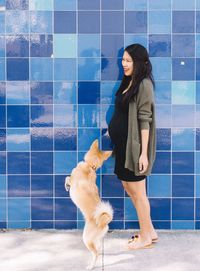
x=117, y=129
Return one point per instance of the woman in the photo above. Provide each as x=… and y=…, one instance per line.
x=132, y=132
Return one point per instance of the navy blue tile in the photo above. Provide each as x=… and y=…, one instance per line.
x=198, y=21
x=160, y=45
x=112, y=4
x=2, y=93
x=163, y=139
x=178, y=21
x=162, y=163
x=88, y=92
x=18, y=116
x=65, y=210
x=41, y=92
x=67, y=225
x=41, y=139
x=18, y=185
x=197, y=208
x=17, y=46
x=88, y=4
x=197, y=68
x=3, y=225
x=42, y=225
x=183, y=46
x=197, y=225
x=2, y=162
x=132, y=225
x=2, y=116
x=112, y=22
x=164, y=225
x=65, y=139
x=160, y=209
x=59, y=186
x=183, y=69
x=111, y=69
x=17, y=69
x=2, y=139
x=41, y=162
x=89, y=22
x=182, y=209
x=136, y=22
x=183, y=185
x=118, y=206
x=183, y=162
x=20, y=5
x=42, y=209
x=106, y=141
x=111, y=186
x=111, y=45
x=64, y=22
x=116, y=225
x=18, y=163
x=42, y=186
x=41, y=115
x=41, y=45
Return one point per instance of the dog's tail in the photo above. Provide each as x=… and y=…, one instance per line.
x=103, y=214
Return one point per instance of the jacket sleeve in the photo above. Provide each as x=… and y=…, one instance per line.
x=144, y=104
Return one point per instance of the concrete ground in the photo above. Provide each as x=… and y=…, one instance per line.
x=63, y=250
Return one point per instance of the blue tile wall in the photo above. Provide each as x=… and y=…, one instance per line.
x=60, y=66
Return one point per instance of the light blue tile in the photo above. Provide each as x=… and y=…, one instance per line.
x=183, y=4
x=2, y=46
x=88, y=115
x=2, y=22
x=41, y=5
x=198, y=186
x=183, y=92
x=86, y=137
x=183, y=139
x=161, y=112
x=183, y=115
x=163, y=92
x=89, y=69
x=2, y=209
x=19, y=225
x=65, y=69
x=106, y=114
x=2, y=186
x=182, y=225
x=160, y=22
x=197, y=45
x=2, y=69
x=135, y=4
x=14, y=25
x=161, y=68
x=108, y=90
x=89, y=45
x=160, y=5
x=130, y=211
x=65, y=92
x=41, y=21
x=130, y=39
x=197, y=164
x=18, y=92
x=64, y=162
x=65, y=45
x=65, y=5
x=18, y=140
x=65, y=115
x=159, y=186
x=18, y=209
x=41, y=69
x=197, y=115
x=198, y=4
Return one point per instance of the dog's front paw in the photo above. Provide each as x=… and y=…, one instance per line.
x=90, y=267
x=67, y=183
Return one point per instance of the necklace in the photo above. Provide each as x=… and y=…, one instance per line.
x=127, y=87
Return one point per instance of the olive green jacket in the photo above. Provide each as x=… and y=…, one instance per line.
x=141, y=116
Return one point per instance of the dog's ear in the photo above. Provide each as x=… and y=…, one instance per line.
x=107, y=154
x=95, y=144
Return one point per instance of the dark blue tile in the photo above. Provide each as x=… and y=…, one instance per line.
x=41, y=92
x=65, y=139
x=65, y=210
x=88, y=4
x=183, y=185
x=3, y=225
x=18, y=185
x=88, y=92
x=163, y=141
x=64, y=22
x=2, y=116
x=111, y=69
x=118, y=206
x=18, y=163
x=59, y=186
x=178, y=21
x=183, y=45
x=17, y=69
x=198, y=21
x=160, y=45
x=42, y=186
x=197, y=208
x=88, y=22
x=17, y=46
x=42, y=225
x=111, y=44
x=160, y=209
x=106, y=141
x=42, y=209
x=162, y=163
x=112, y=4
x=183, y=162
x=183, y=69
x=163, y=225
x=41, y=139
x=2, y=139
x=132, y=225
x=41, y=45
x=18, y=116
x=136, y=22
x=13, y=4
x=66, y=225
x=2, y=162
x=41, y=115
x=112, y=22
x=41, y=162
x=2, y=93
x=197, y=139
x=116, y=225
x=111, y=186
x=197, y=68
x=197, y=225
x=183, y=209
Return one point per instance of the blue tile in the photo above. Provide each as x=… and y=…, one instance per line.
x=70, y=111
x=18, y=186
x=41, y=45
x=177, y=115
x=2, y=162
x=198, y=139
x=59, y=186
x=65, y=92
x=2, y=22
x=42, y=209
x=160, y=45
x=183, y=69
x=41, y=92
x=41, y=5
x=108, y=90
x=65, y=5
x=197, y=68
x=18, y=139
x=64, y=22
x=164, y=225
x=159, y=186
x=111, y=186
x=182, y=225
x=162, y=111
x=197, y=209
x=160, y=22
x=197, y=21
x=88, y=22
x=67, y=225
x=161, y=68
x=197, y=45
x=183, y=45
x=163, y=139
x=18, y=209
x=178, y=21
x=14, y=25
x=2, y=68
x=183, y=185
x=86, y=137
x=2, y=93
x=187, y=90
x=17, y=46
x=160, y=209
x=183, y=4
x=89, y=92
x=88, y=5
x=197, y=225
x=183, y=209
x=41, y=22
x=88, y=115
x=118, y=207
x=64, y=162
x=41, y=69
x=18, y=116
x=18, y=92
x=111, y=69
x=162, y=163
x=3, y=208
x=113, y=22
x=135, y=22
x=2, y=139
x=18, y=163
x=197, y=115
x=89, y=69
x=3, y=186
x=42, y=225
x=65, y=210
x=41, y=162
x=112, y=4
x=183, y=162
x=130, y=211
x=197, y=162
x=19, y=224
x=65, y=46
x=135, y=38
x=111, y=45
x=108, y=166
x=13, y=4
x=14, y=73
x=65, y=69
x=106, y=115
x=2, y=46
x=41, y=115
x=135, y=4
x=198, y=186
x=42, y=186
x=163, y=5
x=41, y=139
x=183, y=139
x=65, y=139
x=132, y=225
x=89, y=45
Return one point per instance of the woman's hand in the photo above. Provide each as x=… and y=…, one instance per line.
x=143, y=163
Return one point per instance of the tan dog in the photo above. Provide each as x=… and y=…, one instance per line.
x=84, y=193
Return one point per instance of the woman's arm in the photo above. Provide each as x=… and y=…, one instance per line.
x=143, y=160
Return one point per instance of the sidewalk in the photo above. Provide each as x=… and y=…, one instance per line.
x=61, y=250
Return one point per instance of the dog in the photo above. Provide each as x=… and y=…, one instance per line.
x=83, y=191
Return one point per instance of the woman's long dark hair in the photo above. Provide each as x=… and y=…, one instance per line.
x=142, y=68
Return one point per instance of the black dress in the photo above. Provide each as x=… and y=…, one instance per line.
x=118, y=131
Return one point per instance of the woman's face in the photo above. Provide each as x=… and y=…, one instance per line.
x=127, y=63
